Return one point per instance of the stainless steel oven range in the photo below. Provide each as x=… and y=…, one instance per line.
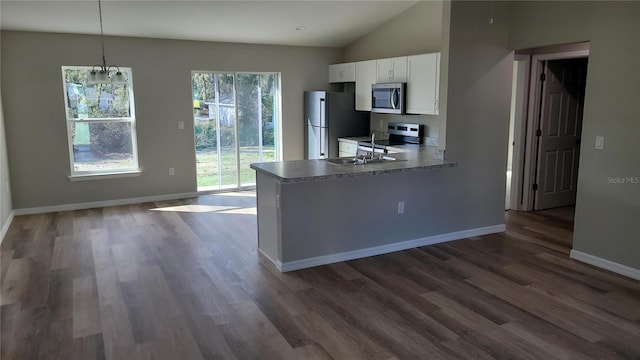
x=399, y=134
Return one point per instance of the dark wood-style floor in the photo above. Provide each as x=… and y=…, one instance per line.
x=183, y=280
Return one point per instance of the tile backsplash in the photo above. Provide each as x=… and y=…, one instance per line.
x=379, y=122
x=431, y=124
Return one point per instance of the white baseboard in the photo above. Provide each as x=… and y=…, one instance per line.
x=605, y=264
x=277, y=263
x=385, y=249
x=101, y=204
x=6, y=225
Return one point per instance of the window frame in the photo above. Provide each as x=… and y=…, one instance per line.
x=76, y=175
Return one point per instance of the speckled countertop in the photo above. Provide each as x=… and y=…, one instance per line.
x=317, y=170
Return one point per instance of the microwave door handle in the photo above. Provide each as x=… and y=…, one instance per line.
x=394, y=94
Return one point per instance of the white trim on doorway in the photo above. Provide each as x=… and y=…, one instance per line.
x=526, y=151
x=520, y=103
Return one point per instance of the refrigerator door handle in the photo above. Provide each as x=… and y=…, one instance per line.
x=323, y=129
x=322, y=113
x=323, y=140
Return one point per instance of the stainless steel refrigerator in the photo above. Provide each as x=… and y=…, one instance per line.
x=328, y=116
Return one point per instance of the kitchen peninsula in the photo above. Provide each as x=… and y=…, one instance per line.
x=313, y=212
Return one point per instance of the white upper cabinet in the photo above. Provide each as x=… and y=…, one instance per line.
x=366, y=75
x=420, y=72
x=392, y=70
x=423, y=84
x=339, y=73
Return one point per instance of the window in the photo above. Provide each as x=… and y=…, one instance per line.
x=101, y=124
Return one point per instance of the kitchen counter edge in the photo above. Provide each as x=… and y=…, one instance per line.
x=298, y=171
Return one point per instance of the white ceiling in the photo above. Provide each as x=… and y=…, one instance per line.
x=327, y=23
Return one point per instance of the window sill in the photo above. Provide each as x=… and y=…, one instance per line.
x=105, y=176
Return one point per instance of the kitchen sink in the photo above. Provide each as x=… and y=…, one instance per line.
x=353, y=161
x=342, y=161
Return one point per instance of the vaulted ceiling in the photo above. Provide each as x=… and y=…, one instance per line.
x=304, y=23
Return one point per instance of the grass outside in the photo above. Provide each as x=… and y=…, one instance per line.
x=104, y=164
x=207, y=165
x=85, y=159
x=82, y=134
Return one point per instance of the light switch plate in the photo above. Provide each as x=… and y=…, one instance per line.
x=180, y=125
x=599, y=142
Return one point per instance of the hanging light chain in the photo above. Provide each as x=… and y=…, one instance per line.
x=104, y=74
x=104, y=60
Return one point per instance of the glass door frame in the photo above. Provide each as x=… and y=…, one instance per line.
x=276, y=124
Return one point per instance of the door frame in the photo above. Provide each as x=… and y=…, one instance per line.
x=529, y=147
x=519, y=131
x=278, y=137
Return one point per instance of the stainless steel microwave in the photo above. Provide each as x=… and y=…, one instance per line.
x=388, y=98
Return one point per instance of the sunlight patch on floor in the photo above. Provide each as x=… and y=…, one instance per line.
x=239, y=194
x=245, y=211
x=197, y=208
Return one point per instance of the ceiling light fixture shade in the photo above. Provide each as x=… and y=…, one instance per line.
x=103, y=73
x=118, y=78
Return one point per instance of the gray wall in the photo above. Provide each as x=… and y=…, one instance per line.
x=356, y=213
x=475, y=94
x=415, y=31
x=469, y=196
x=35, y=120
x=480, y=70
x=5, y=193
x=607, y=214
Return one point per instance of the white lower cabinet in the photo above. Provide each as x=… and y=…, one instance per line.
x=347, y=148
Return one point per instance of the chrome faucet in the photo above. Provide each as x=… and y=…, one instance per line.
x=373, y=145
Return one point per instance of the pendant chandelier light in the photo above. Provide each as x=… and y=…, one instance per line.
x=101, y=74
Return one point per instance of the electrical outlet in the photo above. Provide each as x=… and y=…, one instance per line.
x=431, y=141
x=401, y=207
x=172, y=171
x=180, y=125
x=599, y=142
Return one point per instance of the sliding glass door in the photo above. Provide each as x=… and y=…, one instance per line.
x=236, y=123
